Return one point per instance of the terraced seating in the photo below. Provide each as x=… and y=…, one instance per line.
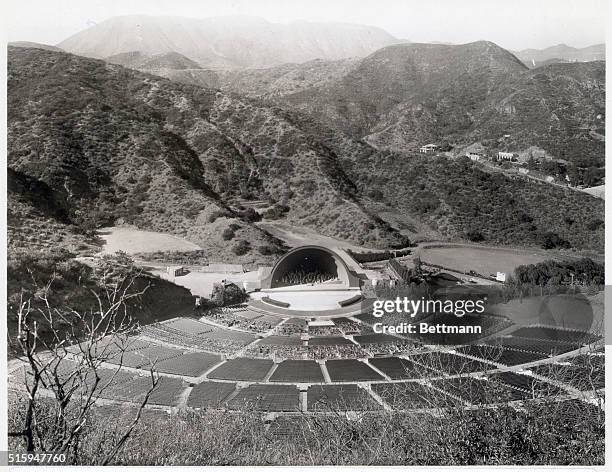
x=188, y=326
x=340, y=398
x=192, y=364
x=450, y=364
x=210, y=394
x=298, y=371
x=409, y=395
x=474, y=391
x=532, y=345
x=527, y=385
x=242, y=317
x=347, y=326
x=378, y=338
x=556, y=334
x=335, y=351
x=109, y=346
x=281, y=341
x=328, y=341
x=508, y=357
x=293, y=326
x=259, y=397
x=350, y=370
x=324, y=331
x=146, y=357
x=132, y=388
x=167, y=392
x=207, y=337
x=488, y=325
x=582, y=377
x=398, y=369
x=242, y=369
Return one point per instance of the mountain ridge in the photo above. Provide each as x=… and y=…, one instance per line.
x=227, y=42
x=128, y=147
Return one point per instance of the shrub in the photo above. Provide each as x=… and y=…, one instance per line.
x=550, y=240
x=474, y=235
x=250, y=215
x=241, y=248
x=227, y=234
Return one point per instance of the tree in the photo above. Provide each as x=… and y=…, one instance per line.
x=227, y=234
x=64, y=351
x=224, y=294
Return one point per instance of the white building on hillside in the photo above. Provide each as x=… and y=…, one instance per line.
x=505, y=156
x=428, y=148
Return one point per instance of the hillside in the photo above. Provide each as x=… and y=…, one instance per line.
x=120, y=146
x=460, y=201
x=562, y=53
x=404, y=96
x=272, y=82
x=558, y=107
x=152, y=62
x=228, y=42
x=112, y=146
x=30, y=44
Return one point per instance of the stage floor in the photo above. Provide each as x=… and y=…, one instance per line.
x=319, y=300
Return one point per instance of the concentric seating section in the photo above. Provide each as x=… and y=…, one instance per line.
x=347, y=326
x=210, y=394
x=529, y=387
x=472, y=390
x=196, y=334
x=409, y=395
x=580, y=377
x=450, y=364
x=540, y=346
x=192, y=364
x=133, y=388
x=146, y=358
x=298, y=371
x=189, y=326
x=281, y=341
x=378, y=338
x=259, y=397
x=556, y=334
x=347, y=397
x=242, y=369
x=167, y=392
x=293, y=326
x=397, y=368
x=350, y=370
x=507, y=357
x=109, y=346
x=328, y=341
x=242, y=317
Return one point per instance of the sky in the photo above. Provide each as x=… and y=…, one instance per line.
x=513, y=24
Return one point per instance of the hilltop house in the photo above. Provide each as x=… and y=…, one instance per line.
x=505, y=156
x=428, y=148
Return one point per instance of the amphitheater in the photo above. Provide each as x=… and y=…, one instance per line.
x=305, y=345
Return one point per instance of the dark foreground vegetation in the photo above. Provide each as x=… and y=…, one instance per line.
x=550, y=433
x=71, y=286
